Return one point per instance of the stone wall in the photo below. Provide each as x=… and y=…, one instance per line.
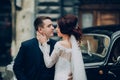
x=23, y=24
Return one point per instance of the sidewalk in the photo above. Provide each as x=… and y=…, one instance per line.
x=7, y=72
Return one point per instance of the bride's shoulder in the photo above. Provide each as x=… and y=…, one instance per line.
x=62, y=45
x=58, y=44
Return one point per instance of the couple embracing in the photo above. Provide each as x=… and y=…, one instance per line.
x=62, y=60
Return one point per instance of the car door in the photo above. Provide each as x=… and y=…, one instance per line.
x=94, y=48
x=113, y=63
x=113, y=72
x=96, y=72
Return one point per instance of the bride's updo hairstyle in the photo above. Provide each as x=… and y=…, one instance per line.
x=68, y=25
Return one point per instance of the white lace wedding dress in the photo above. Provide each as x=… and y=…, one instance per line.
x=63, y=57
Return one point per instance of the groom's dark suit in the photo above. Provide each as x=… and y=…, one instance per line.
x=29, y=63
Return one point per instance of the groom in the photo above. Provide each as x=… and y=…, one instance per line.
x=29, y=63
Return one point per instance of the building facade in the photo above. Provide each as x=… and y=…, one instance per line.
x=99, y=12
x=21, y=14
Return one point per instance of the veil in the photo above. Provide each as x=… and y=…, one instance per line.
x=78, y=69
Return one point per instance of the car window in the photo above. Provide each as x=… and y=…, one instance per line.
x=94, y=47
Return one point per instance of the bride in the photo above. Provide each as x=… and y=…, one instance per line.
x=66, y=55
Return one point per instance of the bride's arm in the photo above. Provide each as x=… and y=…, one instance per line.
x=50, y=60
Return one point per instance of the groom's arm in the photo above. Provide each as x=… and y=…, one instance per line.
x=18, y=65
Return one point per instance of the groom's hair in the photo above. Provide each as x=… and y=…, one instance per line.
x=39, y=21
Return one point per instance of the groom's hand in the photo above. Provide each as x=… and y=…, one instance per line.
x=70, y=76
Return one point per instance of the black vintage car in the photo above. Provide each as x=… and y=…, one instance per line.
x=100, y=47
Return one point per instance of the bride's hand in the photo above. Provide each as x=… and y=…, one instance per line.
x=41, y=37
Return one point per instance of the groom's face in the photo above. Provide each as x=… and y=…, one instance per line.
x=47, y=28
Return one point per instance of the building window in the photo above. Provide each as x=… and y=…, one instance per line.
x=87, y=20
x=107, y=18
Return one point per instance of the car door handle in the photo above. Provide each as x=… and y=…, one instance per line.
x=111, y=73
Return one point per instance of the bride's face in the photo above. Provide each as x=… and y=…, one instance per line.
x=58, y=31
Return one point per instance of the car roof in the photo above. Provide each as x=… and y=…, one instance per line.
x=107, y=30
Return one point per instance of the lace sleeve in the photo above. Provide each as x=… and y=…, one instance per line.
x=50, y=60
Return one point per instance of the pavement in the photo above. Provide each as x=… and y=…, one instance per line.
x=7, y=72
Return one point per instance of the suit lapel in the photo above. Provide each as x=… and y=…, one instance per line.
x=38, y=48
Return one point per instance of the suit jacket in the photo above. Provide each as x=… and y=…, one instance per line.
x=29, y=63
